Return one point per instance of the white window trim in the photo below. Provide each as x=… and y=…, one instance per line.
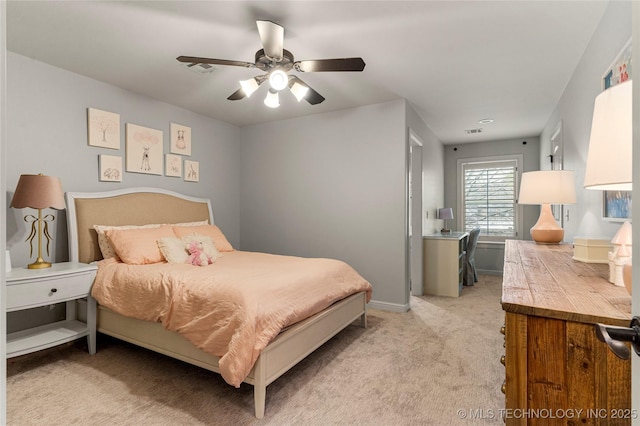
x=519, y=159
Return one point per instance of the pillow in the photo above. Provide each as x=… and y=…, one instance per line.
x=173, y=249
x=139, y=246
x=103, y=242
x=208, y=246
x=221, y=242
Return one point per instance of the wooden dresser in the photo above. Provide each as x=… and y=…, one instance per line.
x=557, y=371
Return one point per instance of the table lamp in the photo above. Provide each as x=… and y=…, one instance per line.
x=38, y=192
x=547, y=187
x=609, y=161
x=446, y=214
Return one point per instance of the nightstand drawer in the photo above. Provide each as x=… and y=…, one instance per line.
x=48, y=291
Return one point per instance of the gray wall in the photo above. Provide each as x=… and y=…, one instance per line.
x=575, y=109
x=47, y=133
x=490, y=255
x=331, y=185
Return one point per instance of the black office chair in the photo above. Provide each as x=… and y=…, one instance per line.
x=470, y=274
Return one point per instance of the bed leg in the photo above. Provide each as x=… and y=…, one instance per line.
x=363, y=320
x=260, y=387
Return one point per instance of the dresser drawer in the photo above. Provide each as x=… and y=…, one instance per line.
x=24, y=295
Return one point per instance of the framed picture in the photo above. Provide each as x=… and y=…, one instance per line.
x=620, y=69
x=616, y=206
x=110, y=168
x=173, y=165
x=144, y=149
x=103, y=128
x=191, y=171
x=180, y=139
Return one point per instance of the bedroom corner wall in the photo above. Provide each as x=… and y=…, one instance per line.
x=575, y=111
x=331, y=185
x=47, y=133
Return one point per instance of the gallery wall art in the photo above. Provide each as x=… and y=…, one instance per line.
x=144, y=150
x=103, y=128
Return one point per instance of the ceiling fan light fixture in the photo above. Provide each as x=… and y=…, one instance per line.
x=278, y=79
x=249, y=86
x=299, y=91
x=272, y=100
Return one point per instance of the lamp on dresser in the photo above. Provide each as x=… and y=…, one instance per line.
x=547, y=187
x=609, y=161
x=38, y=192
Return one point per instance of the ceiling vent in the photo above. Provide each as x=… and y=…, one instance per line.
x=473, y=131
x=200, y=68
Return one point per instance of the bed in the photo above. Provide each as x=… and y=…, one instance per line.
x=141, y=206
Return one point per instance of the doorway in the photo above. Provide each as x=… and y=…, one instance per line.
x=414, y=216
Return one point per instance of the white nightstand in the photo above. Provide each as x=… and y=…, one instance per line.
x=63, y=282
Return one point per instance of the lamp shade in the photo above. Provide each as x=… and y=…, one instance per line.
x=38, y=192
x=445, y=213
x=547, y=187
x=610, y=146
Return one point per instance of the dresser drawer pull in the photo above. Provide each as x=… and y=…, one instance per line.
x=53, y=290
x=503, y=329
x=502, y=360
x=503, y=388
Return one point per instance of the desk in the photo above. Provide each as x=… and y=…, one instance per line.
x=553, y=359
x=444, y=263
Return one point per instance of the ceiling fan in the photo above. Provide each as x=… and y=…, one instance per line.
x=276, y=62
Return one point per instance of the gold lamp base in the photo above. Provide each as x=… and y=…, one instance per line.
x=40, y=263
x=546, y=230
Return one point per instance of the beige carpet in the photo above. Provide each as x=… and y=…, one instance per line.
x=415, y=368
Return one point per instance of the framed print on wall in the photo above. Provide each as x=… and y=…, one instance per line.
x=180, y=139
x=143, y=149
x=110, y=168
x=103, y=128
x=191, y=171
x=616, y=206
x=173, y=165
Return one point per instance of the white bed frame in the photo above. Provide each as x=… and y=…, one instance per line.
x=130, y=207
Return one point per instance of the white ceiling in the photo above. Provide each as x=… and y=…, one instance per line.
x=456, y=62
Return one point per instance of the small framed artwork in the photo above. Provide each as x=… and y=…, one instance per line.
x=173, y=165
x=143, y=149
x=616, y=206
x=180, y=139
x=110, y=168
x=103, y=128
x=620, y=70
x=191, y=171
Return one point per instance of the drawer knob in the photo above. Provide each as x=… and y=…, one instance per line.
x=502, y=360
x=503, y=388
x=53, y=290
x=503, y=329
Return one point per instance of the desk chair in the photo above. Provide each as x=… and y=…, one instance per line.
x=470, y=275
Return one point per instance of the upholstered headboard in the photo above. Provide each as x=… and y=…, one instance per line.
x=129, y=206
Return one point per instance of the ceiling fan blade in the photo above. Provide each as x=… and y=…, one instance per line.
x=237, y=95
x=272, y=37
x=196, y=60
x=321, y=65
x=311, y=96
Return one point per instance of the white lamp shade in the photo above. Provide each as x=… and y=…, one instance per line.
x=547, y=187
x=249, y=86
x=299, y=91
x=272, y=100
x=610, y=146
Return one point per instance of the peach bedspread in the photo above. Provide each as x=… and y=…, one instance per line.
x=232, y=308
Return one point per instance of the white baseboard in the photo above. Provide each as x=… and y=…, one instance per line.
x=385, y=306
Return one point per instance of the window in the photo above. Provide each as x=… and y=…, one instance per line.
x=489, y=197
